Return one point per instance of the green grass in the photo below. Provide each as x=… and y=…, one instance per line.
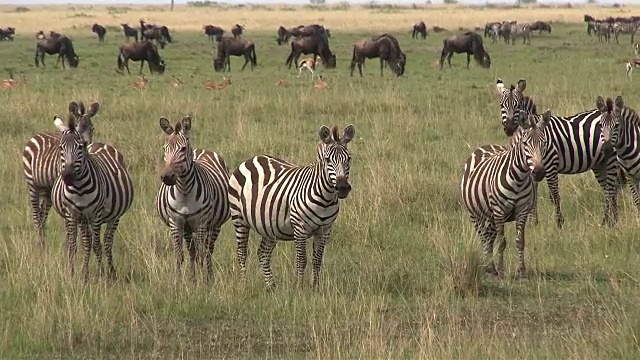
x=400, y=273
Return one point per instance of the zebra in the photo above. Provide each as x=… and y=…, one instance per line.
x=604, y=31
x=498, y=187
x=511, y=100
x=579, y=143
x=627, y=147
x=505, y=30
x=92, y=188
x=193, y=194
x=41, y=163
x=625, y=28
x=281, y=201
x=523, y=30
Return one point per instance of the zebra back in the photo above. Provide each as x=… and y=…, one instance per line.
x=194, y=181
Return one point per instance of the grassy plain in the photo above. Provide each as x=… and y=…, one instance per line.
x=398, y=277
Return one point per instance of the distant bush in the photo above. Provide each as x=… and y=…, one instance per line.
x=205, y=3
x=118, y=9
x=81, y=15
x=450, y=2
x=22, y=9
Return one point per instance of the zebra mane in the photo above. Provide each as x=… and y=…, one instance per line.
x=335, y=133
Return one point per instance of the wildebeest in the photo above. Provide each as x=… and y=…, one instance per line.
x=61, y=45
x=213, y=32
x=311, y=30
x=469, y=43
x=141, y=51
x=129, y=32
x=53, y=34
x=7, y=34
x=591, y=24
x=100, y=31
x=382, y=48
x=228, y=46
x=154, y=33
x=316, y=45
x=541, y=26
x=236, y=30
x=403, y=57
x=419, y=29
x=143, y=27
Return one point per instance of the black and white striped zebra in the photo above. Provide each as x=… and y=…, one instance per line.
x=522, y=30
x=498, y=187
x=627, y=145
x=511, y=100
x=192, y=198
x=93, y=188
x=579, y=143
x=281, y=201
x=625, y=28
x=41, y=164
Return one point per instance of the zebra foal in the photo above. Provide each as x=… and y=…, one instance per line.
x=92, y=188
x=498, y=187
x=41, y=165
x=281, y=201
x=579, y=143
x=192, y=197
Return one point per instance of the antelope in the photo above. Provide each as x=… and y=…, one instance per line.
x=177, y=82
x=212, y=85
x=636, y=49
x=10, y=83
x=281, y=82
x=141, y=83
x=309, y=64
x=631, y=65
x=499, y=86
x=320, y=84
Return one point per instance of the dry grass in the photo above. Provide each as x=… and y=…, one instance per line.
x=268, y=18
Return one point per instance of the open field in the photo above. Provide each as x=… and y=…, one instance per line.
x=398, y=276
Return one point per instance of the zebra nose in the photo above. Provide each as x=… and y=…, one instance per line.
x=168, y=179
x=538, y=172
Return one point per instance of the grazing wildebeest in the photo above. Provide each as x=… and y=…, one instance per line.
x=228, y=46
x=382, y=48
x=141, y=51
x=61, y=45
x=541, y=26
x=419, y=29
x=470, y=43
x=100, y=31
x=236, y=30
x=317, y=45
x=403, y=57
x=213, y=32
x=7, y=34
x=129, y=32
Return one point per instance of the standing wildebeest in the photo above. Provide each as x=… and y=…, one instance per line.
x=285, y=34
x=100, y=31
x=541, y=26
x=317, y=45
x=591, y=24
x=470, y=43
x=56, y=45
x=7, y=34
x=129, y=32
x=382, y=48
x=213, y=32
x=164, y=31
x=237, y=47
x=144, y=27
x=419, y=29
x=141, y=51
x=236, y=30
x=154, y=33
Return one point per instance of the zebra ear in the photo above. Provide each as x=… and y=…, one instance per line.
x=600, y=104
x=93, y=110
x=325, y=135
x=166, y=126
x=57, y=121
x=619, y=102
x=348, y=134
x=185, y=125
x=546, y=117
x=73, y=107
x=522, y=84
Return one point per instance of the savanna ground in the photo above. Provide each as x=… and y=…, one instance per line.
x=400, y=275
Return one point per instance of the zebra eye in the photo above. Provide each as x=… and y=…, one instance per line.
x=183, y=149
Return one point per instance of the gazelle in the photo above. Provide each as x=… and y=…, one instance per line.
x=320, y=84
x=309, y=64
x=212, y=85
x=141, y=83
x=631, y=65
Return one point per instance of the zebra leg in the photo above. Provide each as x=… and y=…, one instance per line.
x=109, y=233
x=635, y=191
x=264, y=255
x=502, y=245
x=301, y=258
x=85, y=233
x=72, y=230
x=521, y=223
x=607, y=178
x=191, y=243
x=554, y=195
x=319, y=242
x=487, y=232
x=177, y=232
x=45, y=207
x=97, y=246
x=211, y=241
x=34, y=201
x=242, y=239
x=202, y=243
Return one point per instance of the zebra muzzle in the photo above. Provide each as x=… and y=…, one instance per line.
x=168, y=179
x=538, y=172
x=68, y=177
x=342, y=187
